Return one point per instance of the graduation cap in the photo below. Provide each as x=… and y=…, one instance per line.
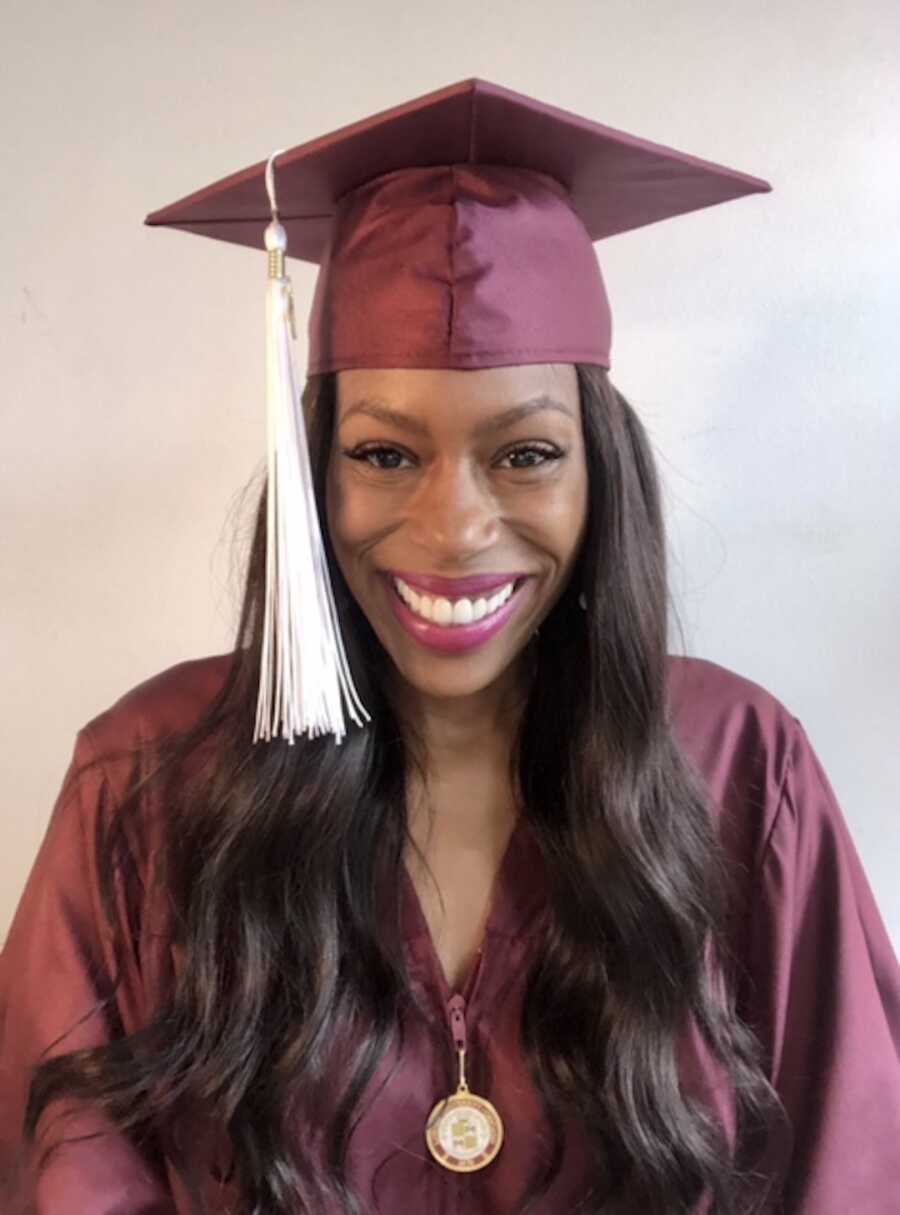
x=453, y=231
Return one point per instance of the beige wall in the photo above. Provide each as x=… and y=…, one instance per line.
x=758, y=340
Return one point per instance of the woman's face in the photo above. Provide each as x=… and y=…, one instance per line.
x=456, y=507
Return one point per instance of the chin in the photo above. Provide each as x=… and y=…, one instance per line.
x=454, y=677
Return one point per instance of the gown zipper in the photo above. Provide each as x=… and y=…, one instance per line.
x=456, y=1013
x=459, y=1034
x=484, y=1136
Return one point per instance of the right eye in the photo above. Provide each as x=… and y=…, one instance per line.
x=377, y=455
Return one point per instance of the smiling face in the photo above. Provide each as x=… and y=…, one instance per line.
x=456, y=506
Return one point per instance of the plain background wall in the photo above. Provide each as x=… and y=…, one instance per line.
x=758, y=340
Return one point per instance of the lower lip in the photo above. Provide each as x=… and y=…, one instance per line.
x=454, y=638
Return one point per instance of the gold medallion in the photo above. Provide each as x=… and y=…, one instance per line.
x=464, y=1132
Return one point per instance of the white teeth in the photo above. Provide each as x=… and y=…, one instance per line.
x=463, y=611
x=444, y=612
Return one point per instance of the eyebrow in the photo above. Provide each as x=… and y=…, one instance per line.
x=403, y=421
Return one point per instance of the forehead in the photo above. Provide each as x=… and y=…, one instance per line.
x=439, y=394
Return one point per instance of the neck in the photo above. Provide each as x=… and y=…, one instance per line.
x=467, y=731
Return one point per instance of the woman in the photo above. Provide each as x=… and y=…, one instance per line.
x=569, y=924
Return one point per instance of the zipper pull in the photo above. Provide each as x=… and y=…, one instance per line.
x=464, y=1132
x=456, y=1010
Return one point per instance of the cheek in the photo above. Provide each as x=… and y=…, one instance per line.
x=579, y=512
x=561, y=515
x=354, y=515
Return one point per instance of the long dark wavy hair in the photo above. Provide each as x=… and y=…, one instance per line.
x=275, y=856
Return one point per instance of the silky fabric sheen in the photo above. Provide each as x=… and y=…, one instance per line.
x=818, y=981
x=458, y=266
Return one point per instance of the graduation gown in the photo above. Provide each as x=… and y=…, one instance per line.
x=821, y=986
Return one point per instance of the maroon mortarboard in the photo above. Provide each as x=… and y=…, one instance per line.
x=456, y=230
x=453, y=231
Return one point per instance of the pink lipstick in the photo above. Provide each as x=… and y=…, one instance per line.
x=456, y=638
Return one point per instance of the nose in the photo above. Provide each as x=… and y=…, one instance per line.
x=453, y=515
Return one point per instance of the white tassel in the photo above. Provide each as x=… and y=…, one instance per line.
x=305, y=679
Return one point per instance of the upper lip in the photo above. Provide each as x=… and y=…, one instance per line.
x=456, y=587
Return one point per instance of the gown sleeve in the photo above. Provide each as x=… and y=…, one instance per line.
x=828, y=997
x=54, y=972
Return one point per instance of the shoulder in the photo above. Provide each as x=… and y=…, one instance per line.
x=114, y=745
x=740, y=738
x=166, y=703
x=709, y=700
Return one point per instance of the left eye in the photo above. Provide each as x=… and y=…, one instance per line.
x=531, y=455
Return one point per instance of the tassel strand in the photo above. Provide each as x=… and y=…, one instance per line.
x=305, y=682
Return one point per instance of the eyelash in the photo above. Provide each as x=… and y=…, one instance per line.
x=547, y=451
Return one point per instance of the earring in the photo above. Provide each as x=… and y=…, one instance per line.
x=582, y=602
